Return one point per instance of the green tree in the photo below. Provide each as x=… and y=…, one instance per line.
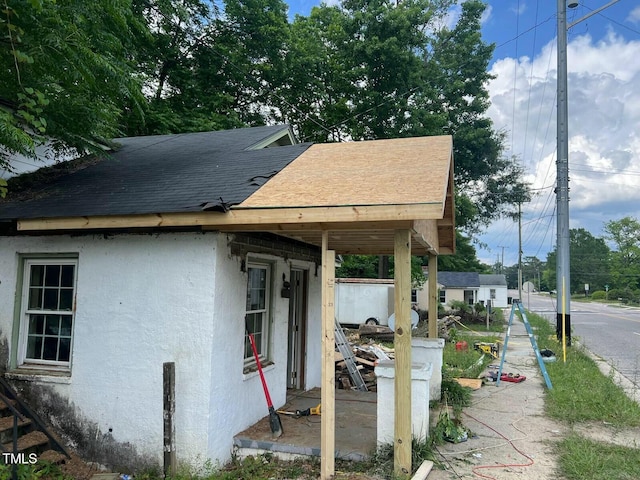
x=464, y=260
x=532, y=271
x=382, y=69
x=185, y=68
x=625, y=260
x=589, y=262
x=67, y=74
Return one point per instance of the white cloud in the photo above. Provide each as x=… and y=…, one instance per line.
x=604, y=143
x=519, y=8
x=486, y=15
x=634, y=15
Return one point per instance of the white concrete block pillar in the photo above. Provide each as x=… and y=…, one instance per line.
x=420, y=376
x=430, y=350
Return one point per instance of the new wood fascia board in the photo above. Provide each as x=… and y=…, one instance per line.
x=426, y=233
x=265, y=218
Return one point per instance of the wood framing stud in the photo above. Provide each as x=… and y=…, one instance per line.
x=402, y=343
x=327, y=395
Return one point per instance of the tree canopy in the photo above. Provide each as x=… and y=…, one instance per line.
x=67, y=73
x=79, y=73
x=625, y=259
x=589, y=262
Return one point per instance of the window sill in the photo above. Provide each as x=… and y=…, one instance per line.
x=252, y=370
x=40, y=375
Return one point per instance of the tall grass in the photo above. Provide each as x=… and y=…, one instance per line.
x=580, y=458
x=580, y=392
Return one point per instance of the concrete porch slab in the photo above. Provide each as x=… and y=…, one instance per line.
x=355, y=432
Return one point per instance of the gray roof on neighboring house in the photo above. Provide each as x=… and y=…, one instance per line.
x=493, y=279
x=459, y=279
x=160, y=174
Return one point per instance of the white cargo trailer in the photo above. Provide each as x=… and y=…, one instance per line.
x=364, y=300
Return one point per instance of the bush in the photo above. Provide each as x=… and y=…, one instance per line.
x=599, y=295
x=625, y=295
x=460, y=306
x=614, y=293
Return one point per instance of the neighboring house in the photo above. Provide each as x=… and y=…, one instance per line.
x=468, y=287
x=458, y=286
x=161, y=250
x=493, y=290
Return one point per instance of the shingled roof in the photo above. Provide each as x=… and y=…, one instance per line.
x=163, y=173
x=493, y=279
x=359, y=193
x=459, y=279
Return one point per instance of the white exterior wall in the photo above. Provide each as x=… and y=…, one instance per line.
x=142, y=300
x=357, y=301
x=239, y=398
x=453, y=294
x=484, y=293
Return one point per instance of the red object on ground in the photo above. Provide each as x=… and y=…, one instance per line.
x=510, y=377
x=462, y=345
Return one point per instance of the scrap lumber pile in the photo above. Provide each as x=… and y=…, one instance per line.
x=378, y=333
x=447, y=323
x=366, y=344
x=366, y=357
x=382, y=333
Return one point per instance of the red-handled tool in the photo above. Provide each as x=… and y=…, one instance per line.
x=274, y=418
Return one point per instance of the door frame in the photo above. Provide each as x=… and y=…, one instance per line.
x=297, y=328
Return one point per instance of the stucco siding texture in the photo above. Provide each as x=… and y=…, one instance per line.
x=141, y=300
x=237, y=399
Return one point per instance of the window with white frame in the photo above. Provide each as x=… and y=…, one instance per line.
x=47, y=313
x=442, y=296
x=257, y=311
x=492, y=293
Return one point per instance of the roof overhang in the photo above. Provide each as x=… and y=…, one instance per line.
x=361, y=192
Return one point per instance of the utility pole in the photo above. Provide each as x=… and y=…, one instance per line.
x=502, y=261
x=520, y=251
x=563, y=277
x=563, y=314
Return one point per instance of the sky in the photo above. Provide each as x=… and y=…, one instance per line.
x=603, y=62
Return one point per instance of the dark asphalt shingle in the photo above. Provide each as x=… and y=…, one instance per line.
x=459, y=279
x=493, y=279
x=163, y=174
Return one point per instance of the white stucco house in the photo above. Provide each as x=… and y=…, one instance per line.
x=159, y=251
x=468, y=287
x=493, y=290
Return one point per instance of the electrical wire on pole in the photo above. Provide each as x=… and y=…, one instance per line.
x=563, y=314
x=563, y=277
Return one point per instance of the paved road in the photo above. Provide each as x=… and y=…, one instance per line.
x=610, y=332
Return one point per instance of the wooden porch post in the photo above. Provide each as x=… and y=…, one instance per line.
x=433, y=295
x=402, y=344
x=328, y=391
